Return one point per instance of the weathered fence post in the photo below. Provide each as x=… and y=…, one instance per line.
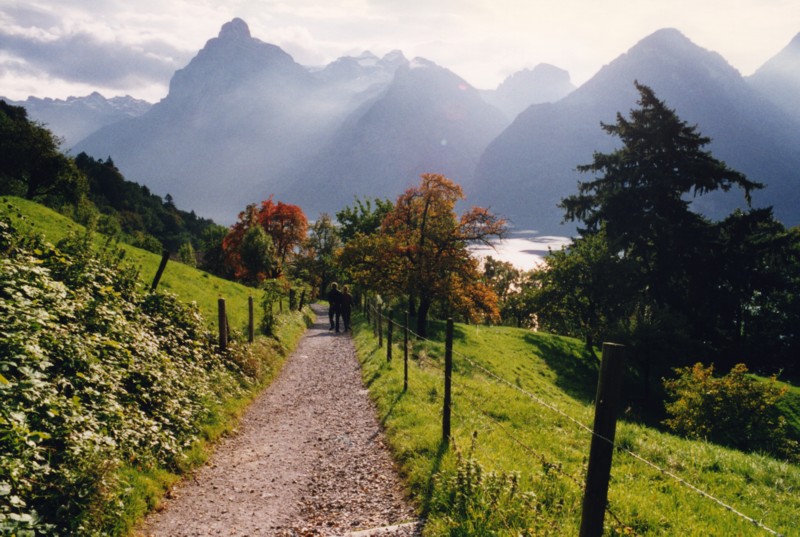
x=448, y=371
x=251, y=324
x=380, y=326
x=389, y=331
x=602, y=448
x=222, y=319
x=160, y=271
x=405, y=355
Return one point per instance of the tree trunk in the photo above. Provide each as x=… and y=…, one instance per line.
x=590, y=346
x=412, y=306
x=422, y=316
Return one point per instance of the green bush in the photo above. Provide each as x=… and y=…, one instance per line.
x=735, y=410
x=95, y=375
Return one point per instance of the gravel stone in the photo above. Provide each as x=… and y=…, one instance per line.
x=308, y=459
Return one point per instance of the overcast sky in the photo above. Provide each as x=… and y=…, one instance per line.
x=57, y=48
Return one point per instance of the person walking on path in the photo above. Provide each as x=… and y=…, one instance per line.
x=334, y=306
x=347, y=306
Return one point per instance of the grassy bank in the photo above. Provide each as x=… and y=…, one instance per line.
x=188, y=283
x=108, y=393
x=517, y=464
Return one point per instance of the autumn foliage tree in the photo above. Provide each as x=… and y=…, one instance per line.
x=421, y=252
x=254, y=256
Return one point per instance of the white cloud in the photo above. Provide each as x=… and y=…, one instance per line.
x=128, y=47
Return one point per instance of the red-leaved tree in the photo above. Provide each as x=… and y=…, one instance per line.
x=254, y=256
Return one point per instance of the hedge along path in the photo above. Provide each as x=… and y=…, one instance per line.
x=308, y=458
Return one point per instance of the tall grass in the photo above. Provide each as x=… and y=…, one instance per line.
x=501, y=427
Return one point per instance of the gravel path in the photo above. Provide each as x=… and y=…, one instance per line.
x=308, y=459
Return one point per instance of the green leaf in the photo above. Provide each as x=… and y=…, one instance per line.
x=4, y=380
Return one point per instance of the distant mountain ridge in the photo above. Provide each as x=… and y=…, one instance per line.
x=530, y=167
x=779, y=78
x=243, y=121
x=543, y=84
x=75, y=118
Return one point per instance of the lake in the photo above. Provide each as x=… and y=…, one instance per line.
x=523, y=249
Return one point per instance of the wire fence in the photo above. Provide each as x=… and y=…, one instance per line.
x=534, y=454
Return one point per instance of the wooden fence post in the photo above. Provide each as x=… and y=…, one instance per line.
x=389, y=330
x=222, y=319
x=251, y=324
x=602, y=448
x=380, y=326
x=160, y=271
x=405, y=355
x=448, y=371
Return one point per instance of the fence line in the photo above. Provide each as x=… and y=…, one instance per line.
x=626, y=450
x=617, y=447
x=494, y=421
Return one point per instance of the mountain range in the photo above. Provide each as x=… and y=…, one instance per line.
x=75, y=118
x=243, y=121
x=526, y=170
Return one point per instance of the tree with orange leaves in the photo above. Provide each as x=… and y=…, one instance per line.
x=421, y=252
x=264, y=240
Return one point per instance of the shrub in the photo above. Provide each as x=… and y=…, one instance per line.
x=736, y=409
x=95, y=375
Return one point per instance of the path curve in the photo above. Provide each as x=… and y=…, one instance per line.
x=308, y=458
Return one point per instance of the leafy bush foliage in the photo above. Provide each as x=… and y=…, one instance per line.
x=95, y=374
x=736, y=409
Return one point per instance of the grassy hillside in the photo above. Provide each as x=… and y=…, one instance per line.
x=108, y=393
x=188, y=283
x=518, y=429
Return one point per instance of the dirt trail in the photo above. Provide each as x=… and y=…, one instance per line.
x=308, y=459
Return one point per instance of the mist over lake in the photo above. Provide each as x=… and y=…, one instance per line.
x=525, y=249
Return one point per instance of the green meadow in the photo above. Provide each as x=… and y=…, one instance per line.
x=522, y=401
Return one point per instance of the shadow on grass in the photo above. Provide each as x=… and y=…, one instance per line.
x=390, y=410
x=427, y=494
x=577, y=376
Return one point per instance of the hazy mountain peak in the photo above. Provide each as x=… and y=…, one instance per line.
x=421, y=63
x=667, y=36
x=393, y=58
x=544, y=83
x=669, y=44
x=235, y=29
x=779, y=78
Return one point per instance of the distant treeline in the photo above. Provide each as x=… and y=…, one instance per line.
x=94, y=192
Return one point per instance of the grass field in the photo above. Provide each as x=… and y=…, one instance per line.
x=186, y=282
x=521, y=400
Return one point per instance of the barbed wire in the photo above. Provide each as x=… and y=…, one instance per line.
x=557, y=467
x=591, y=431
x=623, y=449
x=499, y=426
